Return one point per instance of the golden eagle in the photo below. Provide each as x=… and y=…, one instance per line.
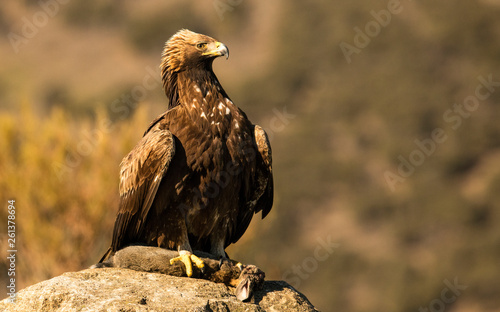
x=201, y=170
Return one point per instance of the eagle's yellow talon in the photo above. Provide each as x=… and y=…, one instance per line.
x=240, y=266
x=188, y=259
x=198, y=262
x=173, y=260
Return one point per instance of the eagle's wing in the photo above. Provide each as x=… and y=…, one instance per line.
x=141, y=173
x=261, y=199
x=265, y=189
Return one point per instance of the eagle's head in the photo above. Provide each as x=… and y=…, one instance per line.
x=187, y=50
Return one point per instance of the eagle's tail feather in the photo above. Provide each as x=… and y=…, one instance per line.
x=106, y=255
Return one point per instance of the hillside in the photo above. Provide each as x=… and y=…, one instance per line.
x=382, y=116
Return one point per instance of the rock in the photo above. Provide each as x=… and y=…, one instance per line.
x=116, y=289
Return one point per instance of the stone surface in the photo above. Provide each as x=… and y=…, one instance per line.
x=115, y=289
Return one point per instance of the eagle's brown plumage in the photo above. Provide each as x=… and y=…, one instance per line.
x=202, y=169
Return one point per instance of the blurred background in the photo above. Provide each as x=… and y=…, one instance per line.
x=383, y=118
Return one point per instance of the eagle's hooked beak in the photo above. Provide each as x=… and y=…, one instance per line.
x=223, y=49
x=218, y=49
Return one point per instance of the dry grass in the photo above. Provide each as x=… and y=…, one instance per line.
x=63, y=175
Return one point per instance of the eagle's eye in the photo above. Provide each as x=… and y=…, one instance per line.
x=201, y=45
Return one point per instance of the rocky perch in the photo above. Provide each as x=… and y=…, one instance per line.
x=117, y=289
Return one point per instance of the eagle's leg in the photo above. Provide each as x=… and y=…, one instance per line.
x=217, y=250
x=188, y=259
